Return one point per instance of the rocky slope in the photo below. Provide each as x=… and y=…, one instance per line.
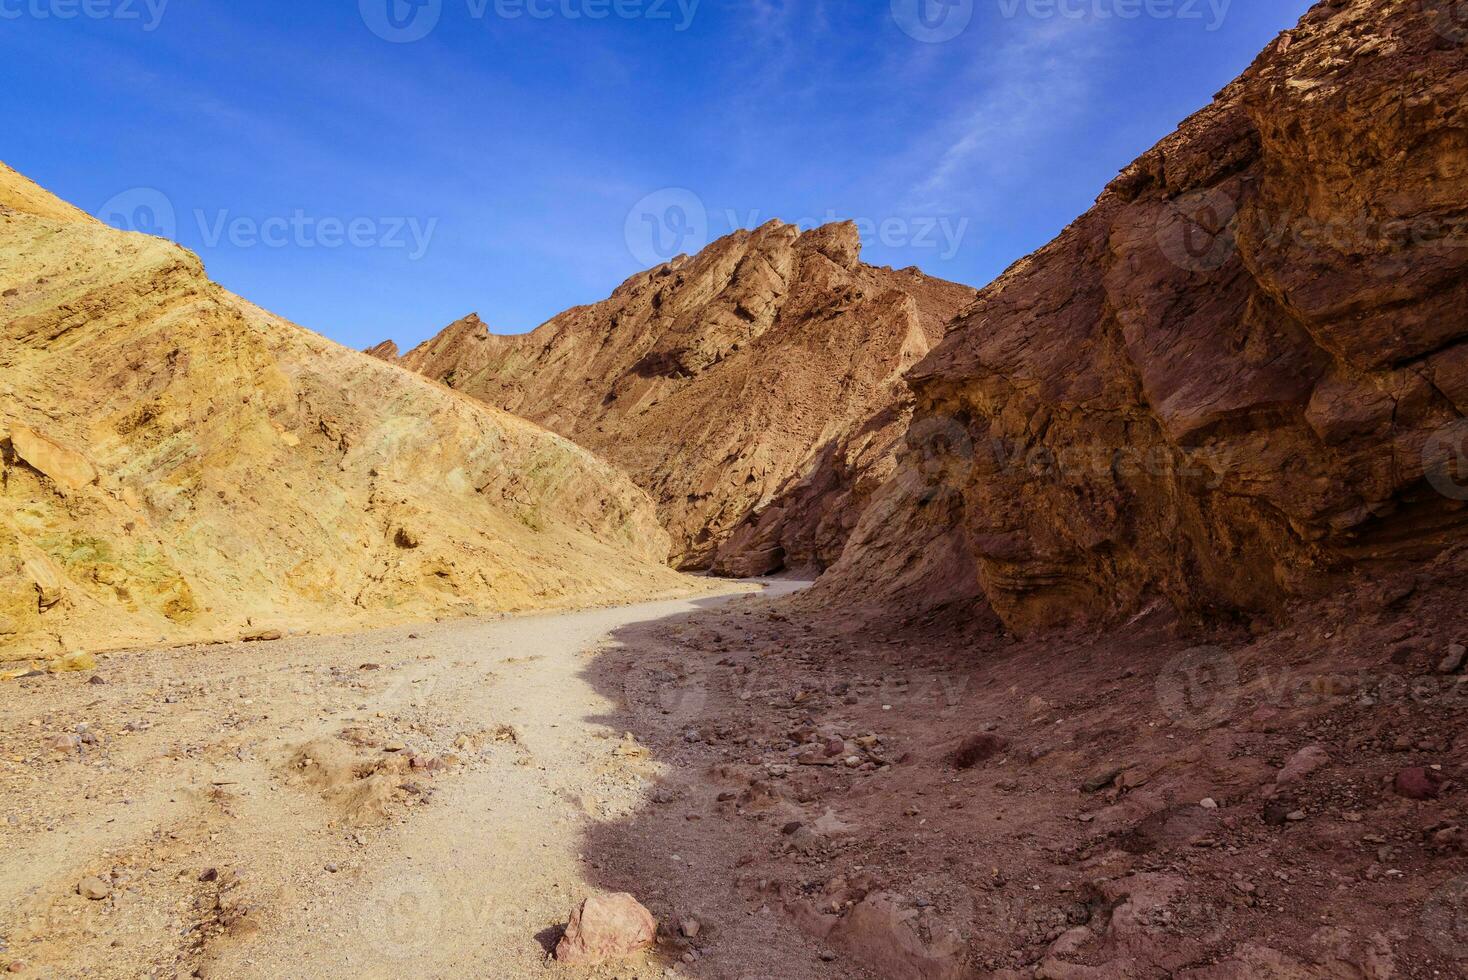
x=177, y=463
x=754, y=389
x=1243, y=372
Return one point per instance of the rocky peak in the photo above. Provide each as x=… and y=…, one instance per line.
x=715, y=379
x=839, y=241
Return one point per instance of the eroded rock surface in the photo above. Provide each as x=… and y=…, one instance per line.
x=1241, y=373
x=754, y=389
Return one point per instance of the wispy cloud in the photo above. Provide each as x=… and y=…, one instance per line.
x=1030, y=89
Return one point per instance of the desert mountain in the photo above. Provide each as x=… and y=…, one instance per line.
x=754, y=389
x=1242, y=373
x=179, y=463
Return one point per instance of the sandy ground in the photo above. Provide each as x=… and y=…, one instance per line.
x=825, y=797
x=226, y=854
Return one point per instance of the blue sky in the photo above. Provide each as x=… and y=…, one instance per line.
x=523, y=156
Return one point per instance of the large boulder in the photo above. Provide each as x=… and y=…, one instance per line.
x=606, y=927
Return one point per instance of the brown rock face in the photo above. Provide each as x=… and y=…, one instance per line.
x=175, y=462
x=1241, y=372
x=606, y=927
x=385, y=351
x=750, y=389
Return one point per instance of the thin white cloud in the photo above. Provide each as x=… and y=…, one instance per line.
x=1029, y=89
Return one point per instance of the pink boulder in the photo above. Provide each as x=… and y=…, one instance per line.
x=605, y=927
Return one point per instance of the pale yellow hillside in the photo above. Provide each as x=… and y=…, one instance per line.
x=177, y=464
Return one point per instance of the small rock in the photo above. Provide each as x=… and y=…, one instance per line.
x=94, y=889
x=65, y=744
x=1208, y=803
x=97, y=679
x=690, y=928
x=1453, y=662
x=977, y=749
x=1101, y=780
x=1418, y=783
x=1276, y=815
x=1302, y=764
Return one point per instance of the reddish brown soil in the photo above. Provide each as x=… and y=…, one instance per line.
x=1334, y=874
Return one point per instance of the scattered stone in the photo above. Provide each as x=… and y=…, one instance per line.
x=1453, y=662
x=65, y=744
x=690, y=928
x=1302, y=764
x=605, y=927
x=1101, y=780
x=1208, y=803
x=97, y=679
x=93, y=888
x=977, y=749
x=1276, y=815
x=1418, y=783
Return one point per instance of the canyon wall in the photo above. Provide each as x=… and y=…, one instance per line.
x=1239, y=376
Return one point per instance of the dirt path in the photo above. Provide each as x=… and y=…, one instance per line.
x=407, y=802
